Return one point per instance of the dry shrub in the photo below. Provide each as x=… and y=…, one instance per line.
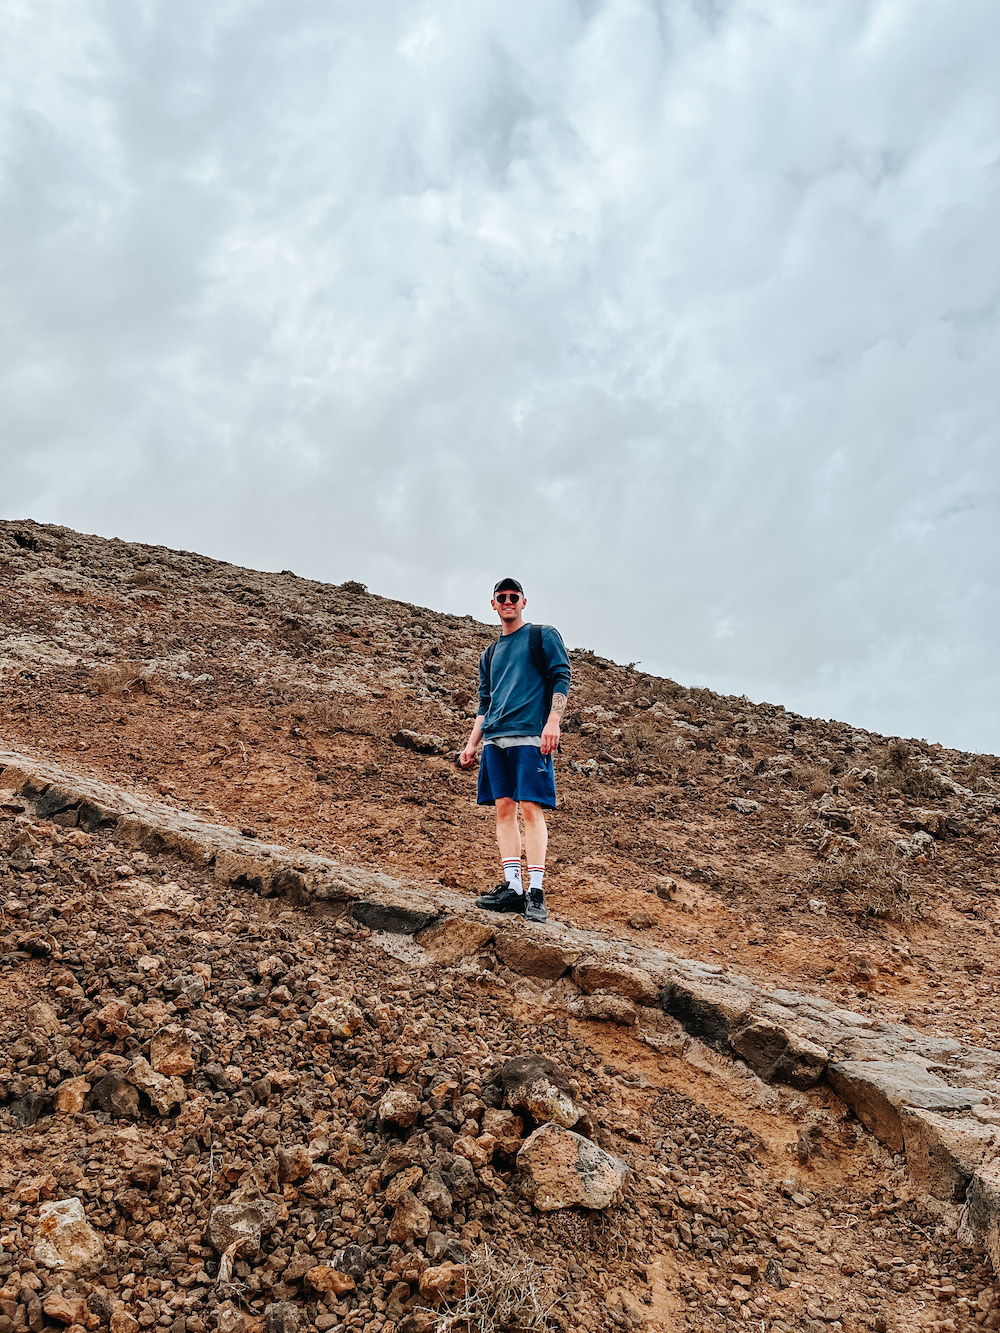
x=644, y=743
x=503, y=1295
x=123, y=678
x=811, y=778
x=348, y=713
x=900, y=769
x=874, y=874
x=982, y=774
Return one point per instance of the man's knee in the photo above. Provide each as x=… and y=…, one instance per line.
x=505, y=808
x=532, y=813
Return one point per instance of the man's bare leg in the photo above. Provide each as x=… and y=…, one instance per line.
x=536, y=833
x=508, y=833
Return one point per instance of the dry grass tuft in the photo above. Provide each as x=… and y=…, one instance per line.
x=124, y=678
x=503, y=1295
x=899, y=768
x=812, y=778
x=873, y=873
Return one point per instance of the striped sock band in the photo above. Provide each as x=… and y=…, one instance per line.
x=512, y=873
x=535, y=874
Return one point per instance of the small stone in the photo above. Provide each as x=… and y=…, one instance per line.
x=65, y=1311
x=114, y=1095
x=282, y=1317
x=641, y=921
x=324, y=1278
x=398, y=1107
x=171, y=1051
x=294, y=1163
x=186, y=987
x=443, y=1282
x=164, y=1093
x=412, y=1220
x=113, y=1016
x=41, y=1017
x=542, y=1088
x=435, y=1194
x=244, y=1220
x=71, y=1095
x=121, y=1320
x=340, y=1017
x=404, y=1181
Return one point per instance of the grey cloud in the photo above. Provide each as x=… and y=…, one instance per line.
x=688, y=314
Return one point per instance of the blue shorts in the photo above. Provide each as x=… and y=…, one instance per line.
x=519, y=772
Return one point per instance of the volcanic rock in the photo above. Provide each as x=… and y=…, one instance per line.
x=557, y=1169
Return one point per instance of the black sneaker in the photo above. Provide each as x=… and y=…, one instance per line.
x=504, y=898
x=535, y=908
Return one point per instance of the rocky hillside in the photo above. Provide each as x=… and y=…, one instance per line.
x=275, y=1114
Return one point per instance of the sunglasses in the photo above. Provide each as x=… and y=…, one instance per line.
x=504, y=597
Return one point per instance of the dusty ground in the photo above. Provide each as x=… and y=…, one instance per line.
x=804, y=853
x=722, y=1225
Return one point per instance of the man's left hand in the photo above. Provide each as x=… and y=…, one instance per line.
x=550, y=738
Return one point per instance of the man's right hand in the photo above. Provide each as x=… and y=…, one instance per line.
x=468, y=757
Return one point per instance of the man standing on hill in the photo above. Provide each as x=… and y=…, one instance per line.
x=523, y=685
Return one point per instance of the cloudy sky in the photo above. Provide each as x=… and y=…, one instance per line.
x=683, y=311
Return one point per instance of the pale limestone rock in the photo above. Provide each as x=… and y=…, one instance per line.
x=164, y=1093
x=65, y=1239
x=340, y=1017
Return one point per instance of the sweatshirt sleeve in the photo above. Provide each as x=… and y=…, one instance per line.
x=557, y=661
x=484, y=686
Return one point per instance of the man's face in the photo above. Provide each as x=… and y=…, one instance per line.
x=508, y=605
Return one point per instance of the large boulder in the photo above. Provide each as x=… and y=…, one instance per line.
x=876, y=1090
x=634, y=983
x=65, y=1239
x=779, y=1054
x=536, y=1084
x=559, y=1169
x=942, y=1154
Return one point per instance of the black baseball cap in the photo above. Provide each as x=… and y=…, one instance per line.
x=508, y=585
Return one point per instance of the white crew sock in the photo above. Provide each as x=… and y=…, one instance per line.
x=535, y=874
x=512, y=874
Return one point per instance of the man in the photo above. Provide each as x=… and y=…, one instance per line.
x=523, y=685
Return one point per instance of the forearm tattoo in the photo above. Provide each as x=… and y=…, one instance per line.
x=558, y=704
